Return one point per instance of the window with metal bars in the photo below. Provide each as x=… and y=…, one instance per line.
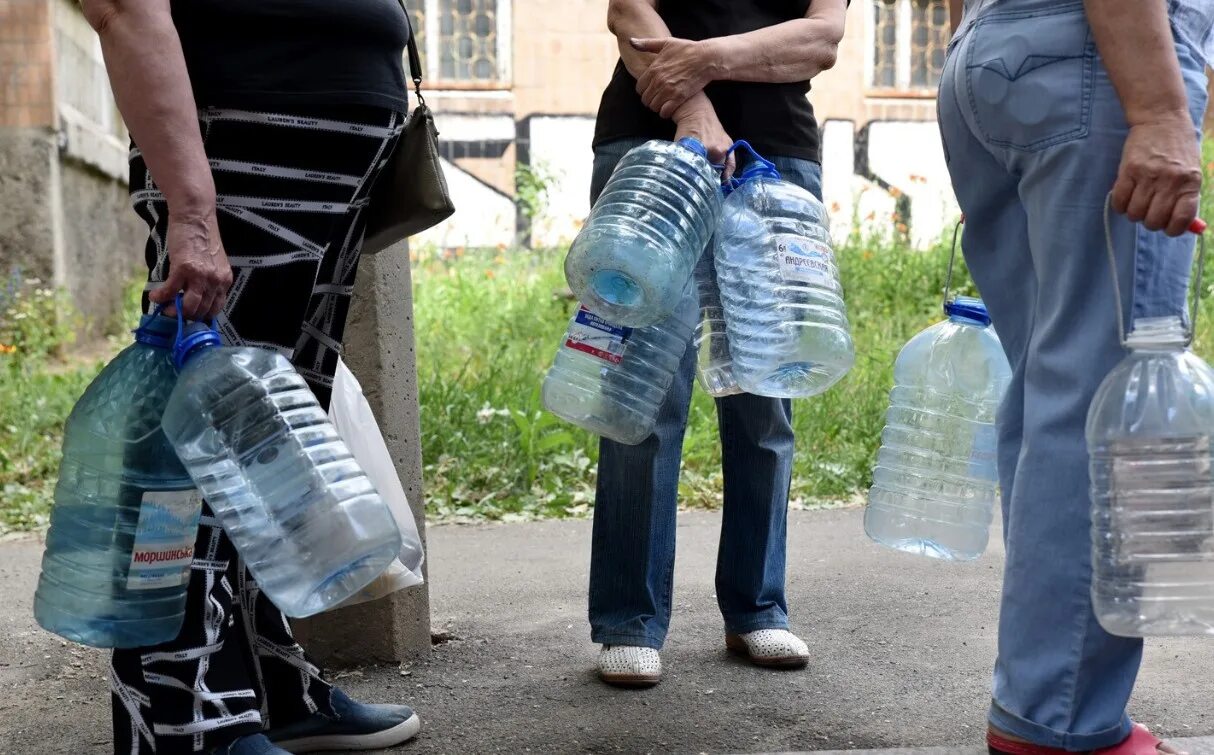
x=908, y=42
x=465, y=44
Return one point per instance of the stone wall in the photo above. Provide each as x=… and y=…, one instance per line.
x=29, y=167
x=64, y=213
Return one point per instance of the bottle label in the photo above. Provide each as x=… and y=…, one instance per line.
x=591, y=334
x=805, y=260
x=164, y=539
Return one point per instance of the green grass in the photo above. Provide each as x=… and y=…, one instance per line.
x=487, y=326
x=39, y=383
x=33, y=405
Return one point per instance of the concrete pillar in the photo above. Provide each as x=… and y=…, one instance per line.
x=379, y=350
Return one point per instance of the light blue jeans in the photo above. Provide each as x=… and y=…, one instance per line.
x=1033, y=133
x=632, y=550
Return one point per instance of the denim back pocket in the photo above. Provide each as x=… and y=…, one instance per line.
x=1030, y=75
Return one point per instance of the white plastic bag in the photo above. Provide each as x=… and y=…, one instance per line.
x=352, y=416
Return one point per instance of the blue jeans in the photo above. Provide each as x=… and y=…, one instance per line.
x=1033, y=133
x=632, y=551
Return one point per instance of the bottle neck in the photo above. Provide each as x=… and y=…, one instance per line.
x=973, y=322
x=191, y=346
x=967, y=310
x=1158, y=334
x=156, y=331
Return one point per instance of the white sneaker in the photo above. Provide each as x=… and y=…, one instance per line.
x=630, y=666
x=774, y=648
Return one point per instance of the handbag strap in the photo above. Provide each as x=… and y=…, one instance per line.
x=415, y=57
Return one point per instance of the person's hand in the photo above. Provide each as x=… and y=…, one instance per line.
x=697, y=119
x=198, y=267
x=1159, y=182
x=678, y=72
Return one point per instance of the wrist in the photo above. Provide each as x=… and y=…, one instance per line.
x=713, y=58
x=188, y=186
x=193, y=203
x=197, y=216
x=1159, y=115
x=697, y=106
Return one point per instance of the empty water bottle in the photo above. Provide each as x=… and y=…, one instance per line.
x=611, y=380
x=714, y=366
x=1149, y=435
x=633, y=259
x=121, y=541
x=935, y=481
x=302, y=514
x=783, y=303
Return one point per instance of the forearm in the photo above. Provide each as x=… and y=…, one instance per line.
x=147, y=71
x=635, y=19
x=793, y=51
x=1135, y=41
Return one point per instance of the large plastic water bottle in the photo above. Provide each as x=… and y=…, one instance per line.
x=935, y=481
x=783, y=303
x=611, y=380
x=1149, y=433
x=633, y=259
x=121, y=541
x=302, y=514
x=714, y=365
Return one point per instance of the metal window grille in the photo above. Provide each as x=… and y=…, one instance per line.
x=465, y=43
x=909, y=39
x=929, y=37
x=885, y=43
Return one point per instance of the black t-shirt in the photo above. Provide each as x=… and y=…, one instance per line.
x=776, y=119
x=271, y=53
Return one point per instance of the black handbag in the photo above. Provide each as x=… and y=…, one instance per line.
x=411, y=195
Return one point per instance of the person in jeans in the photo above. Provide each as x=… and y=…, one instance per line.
x=1045, y=108
x=259, y=130
x=716, y=70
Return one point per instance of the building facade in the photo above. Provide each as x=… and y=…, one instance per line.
x=515, y=85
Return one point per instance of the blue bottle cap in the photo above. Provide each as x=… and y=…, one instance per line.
x=695, y=145
x=758, y=169
x=192, y=337
x=192, y=344
x=968, y=308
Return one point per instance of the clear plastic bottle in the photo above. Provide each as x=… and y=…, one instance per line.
x=783, y=303
x=610, y=380
x=121, y=541
x=306, y=520
x=714, y=365
x=1149, y=434
x=633, y=259
x=935, y=482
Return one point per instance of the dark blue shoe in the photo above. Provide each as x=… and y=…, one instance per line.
x=254, y=744
x=356, y=726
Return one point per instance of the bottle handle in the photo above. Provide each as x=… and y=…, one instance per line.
x=742, y=143
x=180, y=319
x=183, y=344
x=952, y=259
x=142, y=332
x=1197, y=228
x=156, y=312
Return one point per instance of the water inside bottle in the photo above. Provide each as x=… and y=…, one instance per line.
x=1152, y=475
